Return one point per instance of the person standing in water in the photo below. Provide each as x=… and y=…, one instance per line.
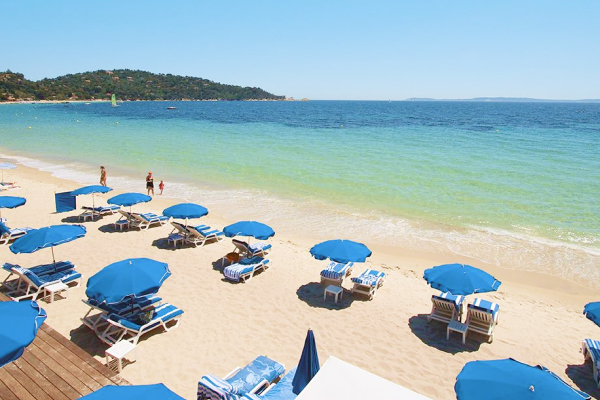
x=102, y=175
x=150, y=183
x=161, y=186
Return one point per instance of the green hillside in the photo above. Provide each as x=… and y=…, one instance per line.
x=126, y=84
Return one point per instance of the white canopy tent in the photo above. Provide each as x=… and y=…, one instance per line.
x=339, y=380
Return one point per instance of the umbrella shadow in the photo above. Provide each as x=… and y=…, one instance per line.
x=163, y=244
x=84, y=338
x=74, y=219
x=582, y=376
x=312, y=294
x=110, y=228
x=433, y=334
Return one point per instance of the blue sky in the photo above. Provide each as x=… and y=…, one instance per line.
x=348, y=49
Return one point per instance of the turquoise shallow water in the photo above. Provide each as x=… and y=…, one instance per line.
x=480, y=179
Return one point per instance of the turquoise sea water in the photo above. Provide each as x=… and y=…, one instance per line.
x=516, y=184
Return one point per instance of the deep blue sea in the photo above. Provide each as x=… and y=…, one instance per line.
x=514, y=184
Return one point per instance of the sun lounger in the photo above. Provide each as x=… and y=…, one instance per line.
x=446, y=307
x=146, y=220
x=368, y=282
x=8, y=235
x=282, y=390
x=200, y=235
x=133, y=326
x=8, y=186
x=103, y=210
x=124, y=308
x=251, y=250
x=335, y=273
x=482, y=317
x=591, y=350
x=31, y=285
x=245, y=269
x=254, y=378
x=40, y=270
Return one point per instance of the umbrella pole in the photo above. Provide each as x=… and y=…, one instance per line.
x=53, y=259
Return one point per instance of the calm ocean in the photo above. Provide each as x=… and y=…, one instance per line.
x=515, y=184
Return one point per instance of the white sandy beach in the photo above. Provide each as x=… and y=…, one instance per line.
x=227, y=325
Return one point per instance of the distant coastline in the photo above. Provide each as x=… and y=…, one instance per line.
x=507, y=100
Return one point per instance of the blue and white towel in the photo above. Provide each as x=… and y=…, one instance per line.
x=244, y=266
x=594, y=348
x=456, y=299
x=259, y=246
x=369, y=278
x=336, y=270
x=485, y=305
x=212, y=387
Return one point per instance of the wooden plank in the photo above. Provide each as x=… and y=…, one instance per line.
x=19, y=391
x=25, y=381
x=52, y=377
x=40, y=379
x=6, y=393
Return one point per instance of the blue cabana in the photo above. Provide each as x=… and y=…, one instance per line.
x=460, y=279
x=19, y=323
x=255, y=229
x=129, y=199
x=11, y=202
x=49, y=236
x=511, y=379
x=127, y=279
x=341, y=251
x=308, y=366
x=185, y=211
x=135, y=392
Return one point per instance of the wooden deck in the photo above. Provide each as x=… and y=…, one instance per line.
x=53, y=368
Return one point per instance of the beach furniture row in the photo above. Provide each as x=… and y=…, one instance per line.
x=366, y=283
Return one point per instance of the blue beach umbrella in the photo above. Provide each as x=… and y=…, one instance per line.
x=49, y=236
x=4, y=166
x=341, y=251
x=592, y=312
x=92, y=189
x=308, y=366
x=135, y=392
x=11, y=202
x=125, y=279
x=511, y=379
x=129, y=199
x=19, y=323
x=185, y=211
x=255, y=229
x=460, y=279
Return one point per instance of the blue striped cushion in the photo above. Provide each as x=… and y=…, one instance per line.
x=244, y=266
x=259, y=246
x=336, y=270
x=594, y=347
x=369, y=278
x=456, y=299
x=158, y=314
x=212, y=387
x=484, y=305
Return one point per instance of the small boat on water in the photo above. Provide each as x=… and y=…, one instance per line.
x=171, y=108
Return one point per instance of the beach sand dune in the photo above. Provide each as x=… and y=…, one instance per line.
x=227, y=325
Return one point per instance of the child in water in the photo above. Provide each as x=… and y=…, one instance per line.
x=161, y=186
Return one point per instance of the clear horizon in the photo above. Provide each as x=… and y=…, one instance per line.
x=340, y=50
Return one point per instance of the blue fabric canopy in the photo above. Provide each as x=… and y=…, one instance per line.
x=249, y=228
x=19, y=323
x=592, y=312
x=127, y=279
x=129, y=199
x=185, y=210
x=511, y=379
x=460, y=279
x=135, y=392
x=308, y=365
x=11, y=201
x=342, y=251
x=90, y=190
x=46, y=237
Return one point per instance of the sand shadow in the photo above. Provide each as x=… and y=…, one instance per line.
x=312, y=294
x=582, y=377
x=434, y=334
x=83, y=337
x=110, y=228
x=163, y=244
x=74, y=219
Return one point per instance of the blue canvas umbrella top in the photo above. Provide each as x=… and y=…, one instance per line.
x=129, y=199
x=90, y=190
x=185, y=210
x=308, y=366
x=129, y=278
x=46, y=237
x=460, y=279
x=255, y=229
x=135, y=392
x=592, y=312
x=11, y=201
x=511, y=379
x=19, y=323
x=342, y=251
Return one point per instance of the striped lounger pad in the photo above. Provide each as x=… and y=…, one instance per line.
x=44, y=269
x=245, y=266
x=456, y=299
x=369, y=278
x=62, y=276
x=484, y=305
x=336, y=271
x=259, y=246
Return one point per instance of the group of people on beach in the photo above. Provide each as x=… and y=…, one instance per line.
x=149, y=181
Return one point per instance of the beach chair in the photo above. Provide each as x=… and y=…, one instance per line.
x=125, y=308
x=7, y=234
x=282, y=390
x=368, y=282
x=245, y=269
x=254, y=378
x=29, y=285
x=591, y=350
x=202, y=234
x=482, y=317
x=103, y=210
x=40, y=270
x=126, y=220
x=131, y=327
x=335, y=273
x=8, y=186
x=146, y=220
x=446, y=307
x=253, y=250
